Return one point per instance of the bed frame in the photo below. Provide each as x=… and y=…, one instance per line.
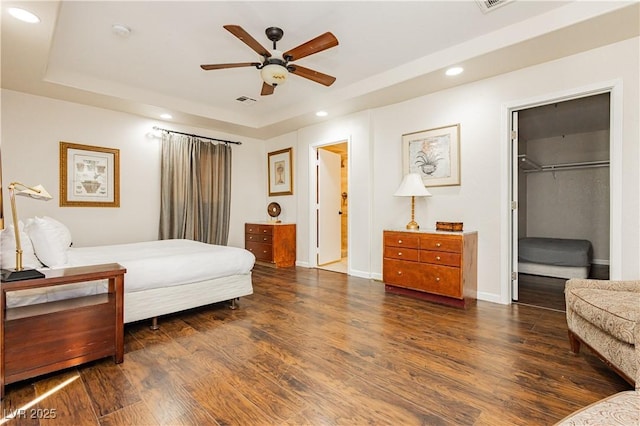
x=152, y=303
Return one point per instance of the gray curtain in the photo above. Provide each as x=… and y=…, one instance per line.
x=195, y=189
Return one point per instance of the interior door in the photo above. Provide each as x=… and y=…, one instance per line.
x=329, y=199
x=514, y=205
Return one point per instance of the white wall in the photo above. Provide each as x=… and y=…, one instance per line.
x=482, y=199
x=570, y=203
x=32, y=128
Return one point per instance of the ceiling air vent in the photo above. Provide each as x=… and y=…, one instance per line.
x=489, y=5
x=246, y=100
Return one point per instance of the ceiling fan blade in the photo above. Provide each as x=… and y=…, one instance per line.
x=318, y=44
x=267, y=89
x=312, y=75
x=223, y=66
x=246, y=38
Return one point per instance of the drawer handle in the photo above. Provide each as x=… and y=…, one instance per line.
x=437, y=279
x=399, y=253
x=399, y=272
x=266, y=251
x=250, y=229
x=437, y=257
x=264, y=230
x=265, y=239
x=438, y=244
x=399, y=241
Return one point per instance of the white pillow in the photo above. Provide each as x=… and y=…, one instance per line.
x=50, y=239
x=8, y=249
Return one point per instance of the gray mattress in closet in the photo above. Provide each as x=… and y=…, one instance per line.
x=555, y=251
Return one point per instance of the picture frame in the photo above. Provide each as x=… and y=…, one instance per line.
x=434, y=154
x=89, y=176
x=280, y=169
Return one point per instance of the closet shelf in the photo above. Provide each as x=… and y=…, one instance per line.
x=528, y=164
x=570, y=166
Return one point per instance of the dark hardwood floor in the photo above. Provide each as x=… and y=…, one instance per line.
x=548, y=292
x=313, y=347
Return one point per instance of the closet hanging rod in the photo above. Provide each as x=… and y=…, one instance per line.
x=571, y=166
x=195, y=136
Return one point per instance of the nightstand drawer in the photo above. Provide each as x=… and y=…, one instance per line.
x=440, y=258
x=257, y=238
x=450, y=243
x=401, y=253
x=401, y=239
x=442, y=280
x=250, y=228
x=261, y=251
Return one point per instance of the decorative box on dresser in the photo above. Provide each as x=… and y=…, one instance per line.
x=434, y=265
x=272, y=243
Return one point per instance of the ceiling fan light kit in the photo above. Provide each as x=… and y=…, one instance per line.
x=275, y=66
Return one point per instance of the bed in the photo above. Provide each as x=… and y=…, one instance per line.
x=554, y=257
x=163, y=277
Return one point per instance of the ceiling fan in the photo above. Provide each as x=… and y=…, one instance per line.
x=277, y=65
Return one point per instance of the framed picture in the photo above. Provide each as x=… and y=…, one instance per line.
x=280, y=172
x=89, y=176
x=434, y=154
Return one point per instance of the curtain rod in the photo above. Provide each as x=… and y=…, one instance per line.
x=195, y=136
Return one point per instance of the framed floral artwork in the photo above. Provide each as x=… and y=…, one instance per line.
x=434, y=154
x=89, y=176
x=280, y=172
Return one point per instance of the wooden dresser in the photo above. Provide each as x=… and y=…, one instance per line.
x=272, y=243
x=434, y=265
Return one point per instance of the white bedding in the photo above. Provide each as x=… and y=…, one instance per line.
x=164, y=263
x=152, y=265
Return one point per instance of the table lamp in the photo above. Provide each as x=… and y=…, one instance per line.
x=37, y=192
x=412, y=186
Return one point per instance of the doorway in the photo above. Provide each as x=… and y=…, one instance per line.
x=332, y=213
x=561, y=188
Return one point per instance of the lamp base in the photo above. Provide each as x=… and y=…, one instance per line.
x=413, y=225
x=9, y=275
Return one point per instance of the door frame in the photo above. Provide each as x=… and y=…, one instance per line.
x=508, y=177
x=313, y=194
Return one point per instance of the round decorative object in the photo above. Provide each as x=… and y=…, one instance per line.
x=274, y=209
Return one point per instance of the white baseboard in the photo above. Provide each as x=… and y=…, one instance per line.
x=600, y=262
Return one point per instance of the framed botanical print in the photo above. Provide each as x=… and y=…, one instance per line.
x=434, y=154
x=280, y=172
x=89, y=176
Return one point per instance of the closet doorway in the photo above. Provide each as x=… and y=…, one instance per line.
x=561, y=185
x=332, y=197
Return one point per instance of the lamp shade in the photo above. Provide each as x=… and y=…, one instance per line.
x=274, y=74
x=412, y=186
x=38, y=192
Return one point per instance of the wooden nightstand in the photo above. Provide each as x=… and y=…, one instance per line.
x=434, y=265
x=272, y=243
x=45, y=337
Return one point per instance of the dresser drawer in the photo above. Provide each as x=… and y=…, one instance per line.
x=450, y=243
x=261, y=251
x=440, y=258
x=402, y=253
x=251, y=228
x=401, y=239
x=442, y=280
x=259, y=238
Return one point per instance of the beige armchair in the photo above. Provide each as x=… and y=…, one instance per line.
x=605, y=316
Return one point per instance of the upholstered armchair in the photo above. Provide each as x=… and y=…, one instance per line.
x=605, y=316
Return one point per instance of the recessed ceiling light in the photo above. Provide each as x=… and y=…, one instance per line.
x=121, y=30
x=166, y=116
x=23, y=15
x=322, y=113
x=454, y=71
